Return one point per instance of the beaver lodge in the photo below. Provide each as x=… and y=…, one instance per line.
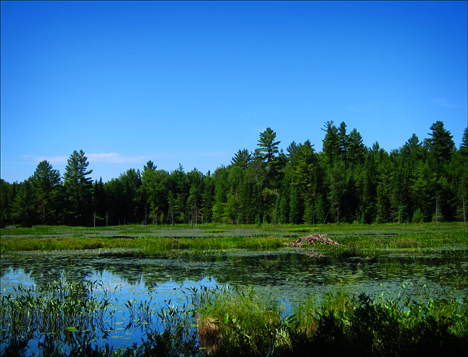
x=312, y=240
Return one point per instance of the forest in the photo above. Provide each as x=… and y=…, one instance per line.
x=422, y=181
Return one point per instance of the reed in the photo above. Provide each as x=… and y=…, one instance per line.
x=242, y=321
x=66, y=318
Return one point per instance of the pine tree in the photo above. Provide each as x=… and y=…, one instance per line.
x=356, y=149
x=241, y=159
x=319, y=210
x=337, y=187
x=78, y=189
x=26, y=206
x=47, y=183
x=268, y=146
x=268, y=151
x=342, y=143
x=294, y=211
x=440, y=145
x=305, y=172
x=464, y=144
x=330, y=143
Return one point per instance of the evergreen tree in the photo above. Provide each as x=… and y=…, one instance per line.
x=337, y=187
x=47, y=184
x=268, y=146
x=26, y=206
x=5, y=209
x=241, y=159
x=464, y=144
x=99, y=203
x=268, y=150
x=284, y=209
x=306, y=172
x=292, y=151
x=295, y=211
x=440, y=146
x=277, y=215
x=330, y=143
x=319, y=210
x=78, y=189
x=356, y=149
x=343, y=143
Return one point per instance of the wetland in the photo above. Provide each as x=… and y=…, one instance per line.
x=133, y=286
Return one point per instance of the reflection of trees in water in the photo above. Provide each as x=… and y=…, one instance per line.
x=44, y=269
x=254, y=269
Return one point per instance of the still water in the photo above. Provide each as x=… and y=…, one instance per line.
x=287, y=274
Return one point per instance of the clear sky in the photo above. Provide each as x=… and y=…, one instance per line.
x=194, y=82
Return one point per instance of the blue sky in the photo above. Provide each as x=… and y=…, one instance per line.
x=194, y=82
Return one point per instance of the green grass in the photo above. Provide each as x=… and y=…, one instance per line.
x=149, y=244
x=243, y=321
x=360, y=241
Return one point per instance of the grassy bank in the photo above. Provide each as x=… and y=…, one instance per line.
x=446, y=242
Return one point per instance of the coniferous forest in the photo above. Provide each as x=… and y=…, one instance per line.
x=346, y=181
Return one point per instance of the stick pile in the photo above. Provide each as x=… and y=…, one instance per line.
x=312, y=239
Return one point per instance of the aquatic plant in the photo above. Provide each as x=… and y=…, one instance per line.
x=339, y=324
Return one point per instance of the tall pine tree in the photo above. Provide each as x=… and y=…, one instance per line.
x=78, y=189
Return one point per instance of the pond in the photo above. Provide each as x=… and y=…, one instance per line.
x=287, y=274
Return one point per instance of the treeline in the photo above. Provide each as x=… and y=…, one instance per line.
x=421, y=181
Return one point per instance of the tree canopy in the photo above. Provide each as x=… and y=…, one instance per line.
x=345, y=182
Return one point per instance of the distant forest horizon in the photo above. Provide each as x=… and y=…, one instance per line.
x=346, y=181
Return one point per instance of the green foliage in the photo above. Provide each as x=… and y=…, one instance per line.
x=245, y=322
x=26, y=206
x=78, y=190
x=294, y=205
x=330, y=143
x=48, y=186
x=418, y=216
x=344, y=182
x=268, y=146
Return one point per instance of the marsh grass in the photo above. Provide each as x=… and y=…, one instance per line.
x=419, y=243
x=149, y=244
x=236, y=321
x=67, y=318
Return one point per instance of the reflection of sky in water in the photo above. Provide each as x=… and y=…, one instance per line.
x=119, y=291
x=287, y=275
